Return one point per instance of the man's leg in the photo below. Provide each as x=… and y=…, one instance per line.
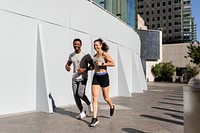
x=81, y=91
x=75, y=86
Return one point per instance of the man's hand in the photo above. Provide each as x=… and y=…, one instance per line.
x=80, y=70
x=67, y=68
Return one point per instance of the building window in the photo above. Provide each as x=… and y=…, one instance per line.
x=158, y=25
x=158, y=4
x=177, y=23
x=170, y=24
x=152, y=5
x=177, y=30
x=164, y=17
x=158, y=11
x=170, y=31
x=163, y=3
x=158, y=18
x=147, y=20
x=170, y=17
x=169, y=2
x=169, y=10
x=177, y=37
x=177, y=1
x=186, y=2
x=177, y=8
x=147, y=13
x=177, y=16
x=170, y=39
x=164, y=10
x=153, y=26
x=141, y=6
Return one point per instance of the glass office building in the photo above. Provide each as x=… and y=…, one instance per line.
x=173, y=17
x=123, y=9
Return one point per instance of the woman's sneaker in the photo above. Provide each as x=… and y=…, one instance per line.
x=112, y=111
x=94, y=122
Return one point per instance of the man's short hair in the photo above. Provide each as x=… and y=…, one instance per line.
x=77, y=39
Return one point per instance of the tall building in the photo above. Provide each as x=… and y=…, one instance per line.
x=123, y=9
x=173, y=17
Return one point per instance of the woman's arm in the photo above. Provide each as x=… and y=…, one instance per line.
x=109, y=60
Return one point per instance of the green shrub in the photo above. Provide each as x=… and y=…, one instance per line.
x=163, y=71
x=194, y=54
x=191, y=71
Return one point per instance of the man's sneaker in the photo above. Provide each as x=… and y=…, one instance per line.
x=81, y=115
x=89, y=109
x=112, y=111
x=94, y=122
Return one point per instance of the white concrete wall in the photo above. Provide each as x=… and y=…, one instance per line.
x=36, y=40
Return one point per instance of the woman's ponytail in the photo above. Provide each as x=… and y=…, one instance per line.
x=105, y=47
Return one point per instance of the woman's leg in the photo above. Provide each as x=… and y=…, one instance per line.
x=108, y=100
x=106, y=97
x=95, y=94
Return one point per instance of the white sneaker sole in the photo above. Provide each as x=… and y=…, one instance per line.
x=93, y=125
x=80, y=116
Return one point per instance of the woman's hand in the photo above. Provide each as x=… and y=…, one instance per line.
x=98, y=63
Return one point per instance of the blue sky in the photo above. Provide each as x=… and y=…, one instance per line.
x=196, y=15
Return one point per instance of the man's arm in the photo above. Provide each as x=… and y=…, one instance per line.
x=89, y=61
x=91, y=65
x=67, y=66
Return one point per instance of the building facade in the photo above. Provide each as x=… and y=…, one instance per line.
x=123, y=9
x=36, y=40
x=173, y=17
x=175, y=53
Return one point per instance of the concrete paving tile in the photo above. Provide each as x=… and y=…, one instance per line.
x=157, y=110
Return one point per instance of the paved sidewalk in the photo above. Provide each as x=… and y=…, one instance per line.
x=158, y=110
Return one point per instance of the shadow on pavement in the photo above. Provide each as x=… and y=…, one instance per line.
x=104, y=116
x=162, y=119
x=171, y=103
x=167, y=109
x=65, y=112
x=69, y=113
x=173, y=99
x=175, y=116
x=176, y=96
x=131, y=130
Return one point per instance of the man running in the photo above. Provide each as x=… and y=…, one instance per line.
x=80, y=61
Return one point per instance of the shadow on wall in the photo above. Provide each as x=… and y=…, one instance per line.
x=131, y=130
x=52, y=101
